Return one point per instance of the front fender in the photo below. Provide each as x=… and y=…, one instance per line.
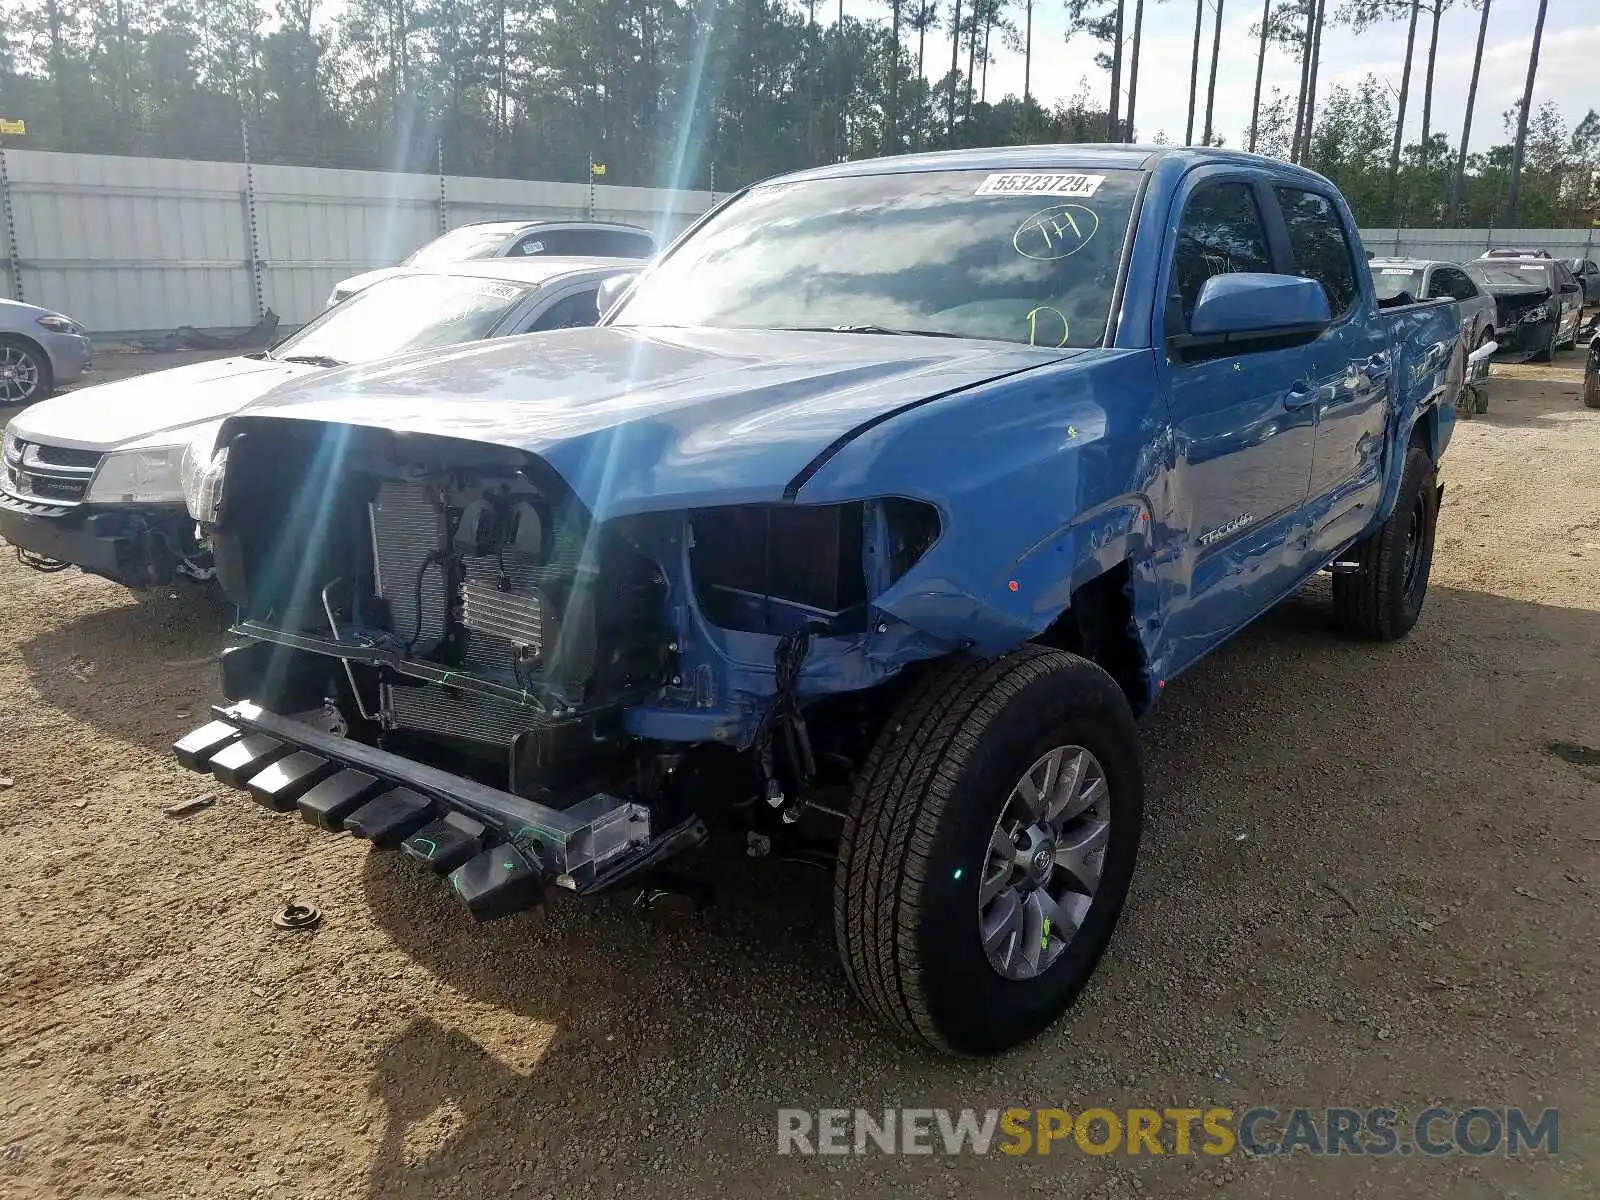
x=1042, y=482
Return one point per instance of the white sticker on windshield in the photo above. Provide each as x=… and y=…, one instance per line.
x=1530, y=268
x=1016, y=183
x=1395, y=271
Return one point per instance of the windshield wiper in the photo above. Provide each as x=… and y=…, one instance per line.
x=889, y=330
x=314, y=360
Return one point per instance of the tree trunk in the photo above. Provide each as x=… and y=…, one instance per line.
x=1311, y=87
x=1211, y=87
x=922, y=45
x=1261, y=64
x=972, y=57
x=500, y=77
x=955, y=63
x=1133, y=65
x=988, y=27
x=1427, y=85
x=1027, y=53
x=1521, y=146
x=1458, y=176
x=1305, y=80
x=892, y=119
x=1194, y=71
x=1115, y=107
x=1400, y=117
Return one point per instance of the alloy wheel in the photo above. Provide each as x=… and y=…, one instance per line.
x=1044, y=861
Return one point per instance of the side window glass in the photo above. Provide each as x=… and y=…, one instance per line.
x=1320, y=250
x=576, y=310
x=1220, y=234
x=1439, y=285
x=1465, y=289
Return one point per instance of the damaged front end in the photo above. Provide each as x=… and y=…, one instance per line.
x=441, y=649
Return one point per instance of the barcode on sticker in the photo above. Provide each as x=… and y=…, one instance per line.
x=1016, y=183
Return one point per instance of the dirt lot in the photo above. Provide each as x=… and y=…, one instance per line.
x=1369, y=877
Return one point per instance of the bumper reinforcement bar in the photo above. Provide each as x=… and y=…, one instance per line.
x=498, y=849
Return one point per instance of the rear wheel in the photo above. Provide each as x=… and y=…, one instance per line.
x=1383, y=598
x=989, y=848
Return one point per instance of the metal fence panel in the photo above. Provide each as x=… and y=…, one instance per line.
x=142, y=245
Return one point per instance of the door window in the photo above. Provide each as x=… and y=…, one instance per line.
x=1451, y=284
x=1321, y=250
x=575, y=310
x=1221, y=234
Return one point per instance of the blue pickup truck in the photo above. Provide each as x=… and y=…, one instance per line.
x=871, y=518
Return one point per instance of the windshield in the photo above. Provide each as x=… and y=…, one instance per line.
x=406, y=312
x=1391, y=282
x=1504, y=275
x=1026, y=257
x=470, y=241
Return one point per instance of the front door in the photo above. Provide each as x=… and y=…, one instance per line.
x=1244, y=425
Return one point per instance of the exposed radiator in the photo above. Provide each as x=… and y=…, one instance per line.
x=463, y=715
x=409, y=527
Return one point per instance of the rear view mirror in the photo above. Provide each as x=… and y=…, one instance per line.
x=611, y=290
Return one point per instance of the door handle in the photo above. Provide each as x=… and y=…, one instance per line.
x=1299, y=396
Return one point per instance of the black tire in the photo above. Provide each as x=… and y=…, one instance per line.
x=905, y=899
x=1548, y=354
x=1383, y=599
x=16, y=347
x=1591, y=389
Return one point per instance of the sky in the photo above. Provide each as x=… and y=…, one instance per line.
x=1569, y=64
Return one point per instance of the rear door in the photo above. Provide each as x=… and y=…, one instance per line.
x=1243, y=420
x=1349, y=367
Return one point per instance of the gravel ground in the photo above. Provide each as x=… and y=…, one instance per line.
x=1369, y=878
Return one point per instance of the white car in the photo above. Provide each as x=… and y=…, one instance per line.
x=511, y=239
x=1410, y=280
x=91, y=478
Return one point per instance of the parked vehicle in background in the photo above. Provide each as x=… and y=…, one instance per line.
x=883, y=503
x=1591, y=374
x=1538, y=304
x=40, y=349
x=513, y=239
x=1587, y=272
x=1398, y=281
x=92, y=478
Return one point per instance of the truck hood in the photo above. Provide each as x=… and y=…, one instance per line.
x=160, y=406
x=640, y=419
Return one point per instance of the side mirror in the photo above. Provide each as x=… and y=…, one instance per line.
x=611, y=290
x=1254, y=304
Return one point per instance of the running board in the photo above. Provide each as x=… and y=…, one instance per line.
x=337, y=783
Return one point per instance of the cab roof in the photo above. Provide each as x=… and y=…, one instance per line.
x=1071, y=156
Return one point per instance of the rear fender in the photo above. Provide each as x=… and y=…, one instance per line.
x=1430, y=370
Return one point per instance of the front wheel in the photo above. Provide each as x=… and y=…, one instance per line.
x=988, y=849
x=1382, y=599
x=25, y=376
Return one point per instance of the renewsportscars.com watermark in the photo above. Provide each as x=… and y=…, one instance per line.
x=1380, y=1132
